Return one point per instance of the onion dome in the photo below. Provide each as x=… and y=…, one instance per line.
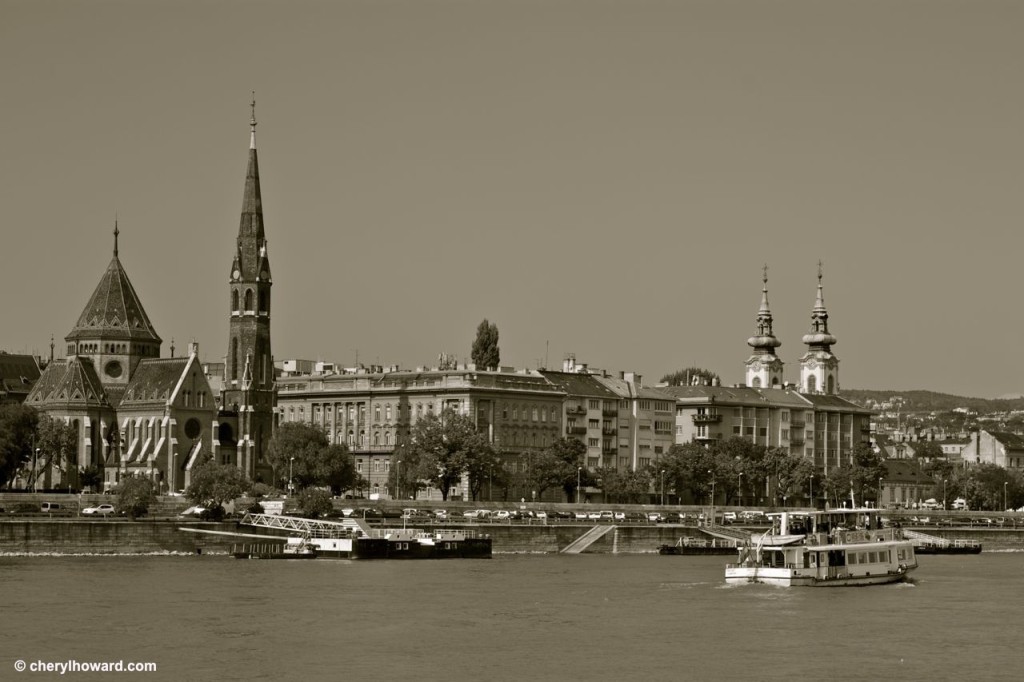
x=764, y=340
x=818, y=338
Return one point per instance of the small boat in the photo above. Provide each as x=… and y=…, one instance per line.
x=832, y=548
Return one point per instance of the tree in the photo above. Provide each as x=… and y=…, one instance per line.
x=444, y=446
x=486, y=354
x=214, y=484
x=303, y=452
x=481, y=468
x=789, y=472
x=625, y=486
x=135, y=494
x=315, y=502
x=928, y=451
x=687, y=375
x=560, y=465
x=90, y=478
x=17, y=429
x=58, y=441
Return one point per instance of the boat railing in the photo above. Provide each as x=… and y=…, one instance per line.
x=856, y=537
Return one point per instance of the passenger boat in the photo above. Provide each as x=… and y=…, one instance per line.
x=825, y=549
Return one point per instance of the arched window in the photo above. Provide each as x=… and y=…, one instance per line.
x=376, y=437
x=831, y=385
x=756, y=383
x=234, y=358
x=248, y=300
x=264, y=302
x=812, y=384
x=234, y=301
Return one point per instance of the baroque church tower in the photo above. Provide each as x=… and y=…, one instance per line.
x=249, y=367
x=764, y=368
x=819, y=368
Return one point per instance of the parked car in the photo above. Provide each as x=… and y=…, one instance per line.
x=441, y=514
x=541, y=515
x=655, y=516
x=102, y=509
x=729, y=517
x=580, y=516
x=931, y=503
x=619, y=516
x=960, y=504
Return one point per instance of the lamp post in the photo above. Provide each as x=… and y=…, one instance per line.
x=943, y=494
x=712, y=520
x=35, y=474
x=291, y=486
x=579, y=470
x=879, y=493
x=810, y=492
x=1005, y=484
x=398, y=479
x=662, y=487
x=740, y=493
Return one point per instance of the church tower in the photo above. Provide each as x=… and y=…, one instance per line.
x=819, y=368
x=764, y=368
x=249, y=367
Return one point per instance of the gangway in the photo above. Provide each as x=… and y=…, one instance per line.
x=924, y=540
x=736, y=535
x=307, y=527
x=586, y=540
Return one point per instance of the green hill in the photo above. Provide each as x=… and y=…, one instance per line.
x=930, y=401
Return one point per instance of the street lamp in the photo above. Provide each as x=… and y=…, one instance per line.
x=662, y=487
x=712, y=520
x=879, y=493
x=1005, y=484
x=398, y=479
x=943, y=494
x=740, y=493
x=810, y=493
x=579, y=470
x=291, y=486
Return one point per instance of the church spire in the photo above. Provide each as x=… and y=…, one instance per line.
x=819, y=368
x=116, y=232
x=764, y=368
x=252, y=122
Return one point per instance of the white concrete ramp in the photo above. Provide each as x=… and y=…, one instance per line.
x=587, y=539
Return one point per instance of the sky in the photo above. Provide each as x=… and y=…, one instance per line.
x=599, y=178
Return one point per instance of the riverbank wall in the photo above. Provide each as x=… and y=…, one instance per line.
x=110, y=536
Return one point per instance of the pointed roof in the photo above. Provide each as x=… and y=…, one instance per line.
x=114, y=309
x=154, y=381
x=764, y=342
x=69, y=382
x=251, y=224
x=818, y=338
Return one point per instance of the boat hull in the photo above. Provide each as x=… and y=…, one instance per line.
x=785, y=577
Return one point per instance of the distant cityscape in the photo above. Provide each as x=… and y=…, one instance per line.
x=136, y=411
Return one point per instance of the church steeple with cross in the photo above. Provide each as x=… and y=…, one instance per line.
x=764, y=368
x=819, y=367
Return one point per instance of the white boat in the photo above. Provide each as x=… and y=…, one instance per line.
x=825, y=549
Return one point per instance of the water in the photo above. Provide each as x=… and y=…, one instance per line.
x=515, y=617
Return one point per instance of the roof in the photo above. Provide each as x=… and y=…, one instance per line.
x=835, y=403
x=70, y=382
x=576, y=384
x=153, y=381
x=737, y=395
x=1010, y=441
x=905, y=471
x=18, y=373
x=114, y=310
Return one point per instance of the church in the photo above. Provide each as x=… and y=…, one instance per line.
x=135, y=413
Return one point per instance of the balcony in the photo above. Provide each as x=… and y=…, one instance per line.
x=797, y=424
x=798, y=440
x=609, y=431
x=707, y=418
x=576, y=430
x=610, y=412
x=576, y=410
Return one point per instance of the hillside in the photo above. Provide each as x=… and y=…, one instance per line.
x=930, y=401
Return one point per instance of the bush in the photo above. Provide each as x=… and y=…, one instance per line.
x=212, y=514
x=134, y=496
x=254, y=508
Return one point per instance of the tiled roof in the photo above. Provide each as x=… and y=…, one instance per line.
x=737, y=395
x=154, y=381
x=905, y=471
x=114, y=310
x=18, y=373
x=1011, y=441
x=835, y=402
x=69, y=382
x=575, y=384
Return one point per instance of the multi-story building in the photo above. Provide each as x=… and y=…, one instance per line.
x=372, y=412
x=646, y=422
x=18, y=374
x=591, y=413
x=994, y=447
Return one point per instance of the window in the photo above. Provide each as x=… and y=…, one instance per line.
x=594, y=442
x=248, y=300
x=594, y=404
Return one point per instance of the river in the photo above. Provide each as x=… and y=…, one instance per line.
x=514, y=617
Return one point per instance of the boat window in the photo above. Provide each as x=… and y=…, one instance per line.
x=852, y=558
